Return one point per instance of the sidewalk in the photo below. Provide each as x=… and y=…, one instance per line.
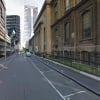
x=90, y=82
x=3, y=60
x=81, y=72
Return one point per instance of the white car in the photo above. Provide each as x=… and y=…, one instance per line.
x=28, y=54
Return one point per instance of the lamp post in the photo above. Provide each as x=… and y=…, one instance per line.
x=5, y=51
x=13, y=33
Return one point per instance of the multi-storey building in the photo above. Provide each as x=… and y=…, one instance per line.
x=4, y=38
x=35, y=13
x=63, y=26
x=75, y=27
x=13, y=24
x=42, y=30
x=69, y=28
x=30, y=14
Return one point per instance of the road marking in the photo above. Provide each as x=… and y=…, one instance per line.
x=58, y=84
x=9, y=61
x=67, y=96
x=48, y=71
x=40, y=71
x=4, y=67
x=62, y=71
x=48, y=80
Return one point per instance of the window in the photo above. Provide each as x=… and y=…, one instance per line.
x=86, y=25
x=67, y=32
x=55, y=3
x=67, y=4
x=56, y=38
x=44, y=36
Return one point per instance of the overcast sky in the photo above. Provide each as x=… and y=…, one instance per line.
x=16, y=7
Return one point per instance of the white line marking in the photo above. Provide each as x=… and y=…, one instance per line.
x=62, y=70
x=2, y=66
x=53, y=86
x=48, y=71
x=68, y=98
x=74, y=94
x=41, y=72
x=48, y=80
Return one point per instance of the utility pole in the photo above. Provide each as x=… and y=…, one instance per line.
x=5, y=49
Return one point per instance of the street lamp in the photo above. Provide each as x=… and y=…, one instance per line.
x=5, y=51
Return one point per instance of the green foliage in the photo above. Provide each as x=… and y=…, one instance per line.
x=79, y=66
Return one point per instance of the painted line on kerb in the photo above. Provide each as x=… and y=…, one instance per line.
x=81, y=72
x=90, y=75
x=48, y=80
x=80, y=92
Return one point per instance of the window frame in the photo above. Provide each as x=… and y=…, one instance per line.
x=56, y=15
x=67, y=6
x=67, y=36
x=84, y=37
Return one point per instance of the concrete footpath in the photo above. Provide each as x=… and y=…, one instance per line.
x=81, y=72
x=88, y=81
x=8, y=59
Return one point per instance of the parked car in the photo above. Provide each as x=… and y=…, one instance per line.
x=28, y=54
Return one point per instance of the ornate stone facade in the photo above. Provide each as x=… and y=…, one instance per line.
x=73, y=27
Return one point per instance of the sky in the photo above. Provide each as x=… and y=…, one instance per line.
x=16, y=7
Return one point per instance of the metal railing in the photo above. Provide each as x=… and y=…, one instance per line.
x=86, y=61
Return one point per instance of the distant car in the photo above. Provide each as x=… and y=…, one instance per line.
x=19, y=53
x=28, y=54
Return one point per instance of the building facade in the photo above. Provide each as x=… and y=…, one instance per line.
x=42, y=30
x=4, y=38
x=31, y=45
x=69, y=28
x=13, y=24
x=75, y=27
x=35, y=14
x=30, y=14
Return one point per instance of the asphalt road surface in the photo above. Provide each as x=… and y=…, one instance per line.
x=26, y=78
